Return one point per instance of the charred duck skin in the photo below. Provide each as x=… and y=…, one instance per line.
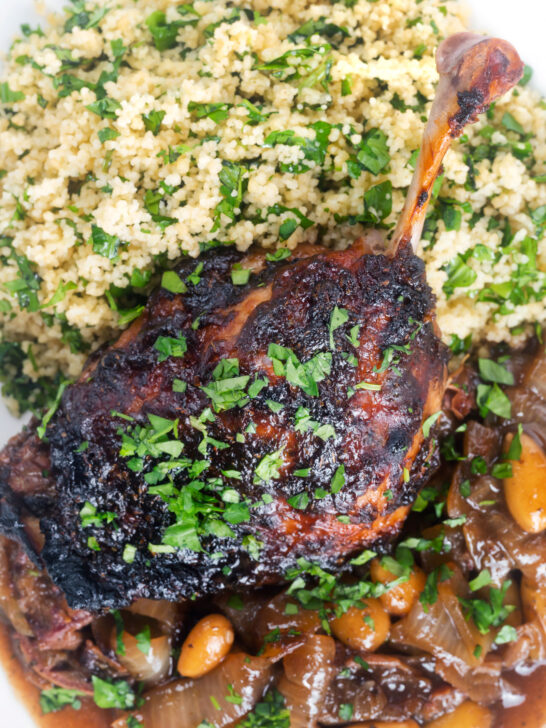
x=238, y=427
x=353, y=425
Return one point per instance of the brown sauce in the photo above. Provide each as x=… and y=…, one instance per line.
x=530, y=714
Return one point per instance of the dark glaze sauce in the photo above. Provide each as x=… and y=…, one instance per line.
x=530, y=714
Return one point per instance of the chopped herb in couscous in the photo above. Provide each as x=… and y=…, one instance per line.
x=136, y=131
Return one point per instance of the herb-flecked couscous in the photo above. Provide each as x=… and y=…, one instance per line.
x=135, y=131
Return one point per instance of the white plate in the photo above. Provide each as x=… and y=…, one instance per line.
x=521, y=23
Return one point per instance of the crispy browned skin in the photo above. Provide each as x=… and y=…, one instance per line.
x=377, y=433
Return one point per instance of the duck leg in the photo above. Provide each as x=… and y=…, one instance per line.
x=234, y=429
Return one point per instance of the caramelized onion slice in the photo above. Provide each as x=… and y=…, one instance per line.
x=291, y=625
x=150, y=667
x=442, y=630
x=220, y=697
x=308, y=672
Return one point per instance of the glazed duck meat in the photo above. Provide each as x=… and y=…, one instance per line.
x=263, y=409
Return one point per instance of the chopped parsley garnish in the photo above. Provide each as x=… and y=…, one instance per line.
x=377, y=204
x=153, y=120
x=506, y=634
x=54, y=699
x=233, y=184
x=502, y=470
x=491, y=371
x=312, y=150
x=491, y=398
x=309, y=65
x=321, y=26
x=488, y=613
x=82, y=17
x=239, y=275
x=306, y=375
x=172, y=282
x=167, y=346
x=105, y=107
x=153, y=202
x=514, y=451
x=316, y=588
x=105, y=244
x=429, y=422
x=303, y=422
x=370, y=386
x=459, y=274
x=227, y=393
x=429, y=595
x=150, y=440
x=346, y=711
x=372, y=153
x=338, y=480
x=270, y=712
x=129, y=553
x=41, y=430
x=93, y=544
x=165, y=34
x=144, y=640
x=483, y=579
x=216, y=112
x=179, y=386
x=339, y=317
x=89, y=516
x=278, y=255
x=354, y=336
x=113, y=695
x=227, y=389
x=268, y=467
x=7, y=96
x=256, y=114
x=300, y=501
x=290, y=224
x=511, y=124
x=106, y=135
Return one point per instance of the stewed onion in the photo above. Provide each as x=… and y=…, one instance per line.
x=308, y=672
x=442, y=629
x=291, y=625
x=152, y=663
x=220, y=697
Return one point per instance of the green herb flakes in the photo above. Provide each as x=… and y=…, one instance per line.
x=55, y=699
x=167, y=346
x=153, y=120
x=112, y=694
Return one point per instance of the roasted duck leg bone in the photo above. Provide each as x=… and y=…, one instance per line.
x=474, y=72
x=235, y=429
